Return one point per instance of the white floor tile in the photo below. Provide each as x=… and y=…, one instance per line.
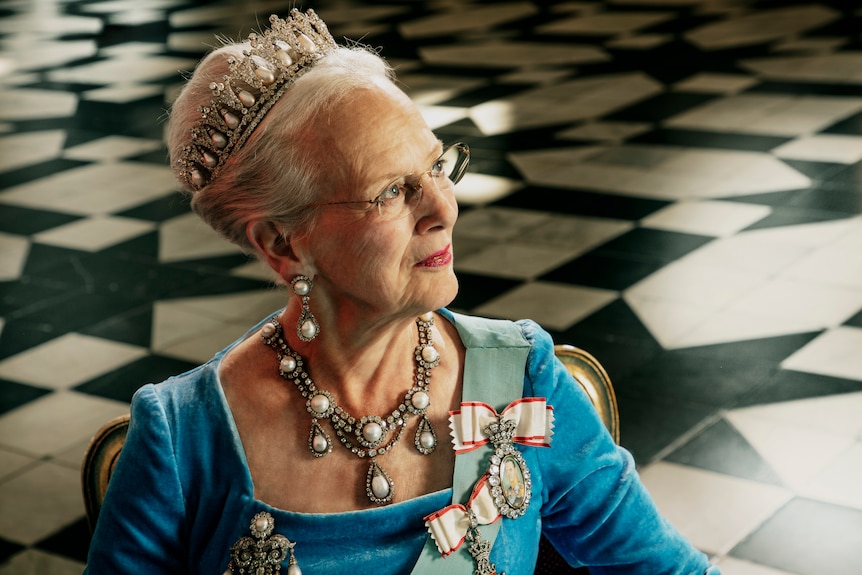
x=835, y=352
x=46, y=52
x=837, y=263
x=605, y=131
x=796, y=452
x=438, y=116
x=732, y=566
x=669, y=322
x=712, y=83
x=479, y=189
x=29, y=148
x=839, y=481
x=68, y=360
x=193, y=329
x=187, y=237
x=708, y=218
x=497, y=223
x=841, y=67
x=467, y=19
x=36, y=562
x=606, y=23
x=837, y=414
x=729, y=325
x=94, y=234
x=55, y=423
x=760, y=27
x=767, y=114
x=122, y=70
x=639, y=42
x=111, y=148
x=555, y=306
x=836, y=148
x=568, y=102
x=12, y=462
x=694, y=282
x=514, y=260
x=719, y=173
x=94, y=189
x=819, y=45
x=578, y=233
x=429, y=90
x=39, y=502
x=811, y=307
x=714, y=511
x=32, y=104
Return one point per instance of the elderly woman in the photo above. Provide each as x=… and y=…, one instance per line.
x=364, y=427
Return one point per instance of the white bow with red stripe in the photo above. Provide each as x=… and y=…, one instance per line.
x=449, y=526
x=534, y=420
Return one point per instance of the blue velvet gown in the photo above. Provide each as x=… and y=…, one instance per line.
x=182, y=493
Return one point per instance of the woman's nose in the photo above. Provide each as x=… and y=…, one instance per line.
x=438, y=206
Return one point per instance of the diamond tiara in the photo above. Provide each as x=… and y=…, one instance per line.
x=274, y=61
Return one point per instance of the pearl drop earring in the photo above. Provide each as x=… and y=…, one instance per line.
x=307, y=327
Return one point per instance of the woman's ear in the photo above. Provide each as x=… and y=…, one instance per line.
x=272, y=245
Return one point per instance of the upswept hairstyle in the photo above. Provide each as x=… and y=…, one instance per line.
x=277, y=172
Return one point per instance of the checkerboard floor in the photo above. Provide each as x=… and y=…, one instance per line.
x=672, y=185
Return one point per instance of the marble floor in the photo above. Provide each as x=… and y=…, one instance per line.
x=672, y=185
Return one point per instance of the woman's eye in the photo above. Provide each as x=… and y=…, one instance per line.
x=390, y=193
x=439, y=167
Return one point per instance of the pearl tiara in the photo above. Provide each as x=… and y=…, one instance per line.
x=272, y=63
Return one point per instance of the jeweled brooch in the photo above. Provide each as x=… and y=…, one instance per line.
x=262, y=553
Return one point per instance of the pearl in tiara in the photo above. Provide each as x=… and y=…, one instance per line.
x=271, y=64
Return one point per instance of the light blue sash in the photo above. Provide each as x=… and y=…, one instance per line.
x=494, y=370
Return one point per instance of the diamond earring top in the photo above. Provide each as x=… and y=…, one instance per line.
x=274, y=61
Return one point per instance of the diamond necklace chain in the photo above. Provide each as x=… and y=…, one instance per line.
x=365, y=437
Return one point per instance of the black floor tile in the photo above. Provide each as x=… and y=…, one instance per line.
x=850, y=178
x=807, y=537
x=132, y=326
x=28, y=221
x=661, y=107
x=474, y=290
x=71, y=542
x=721, y=448
x=704, y=139
x=653, y=246
x=807, y=88
x=159, y=210
x=855, y=321
x=14, y=394
x=817, y=171
x=848, y=202
x=582, y=203
x=650, y=425
x=120, y=384
x=788, y=385
x=33, y=172
x=20, y=297
x=695, y=377
x=606, y=270
x=8, y=549
x=851, y=126
x=791, y=216
x=134, y=279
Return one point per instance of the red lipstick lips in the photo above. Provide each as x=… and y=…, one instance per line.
x=437, y=259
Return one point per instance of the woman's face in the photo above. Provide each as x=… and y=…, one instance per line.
x=363, y=263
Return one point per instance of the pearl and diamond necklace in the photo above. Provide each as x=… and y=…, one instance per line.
x=365, y=436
